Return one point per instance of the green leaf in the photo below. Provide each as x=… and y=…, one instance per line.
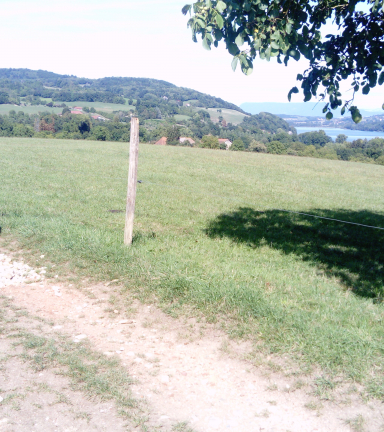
x=247, y=68
x=293, y=90
x=275, y=45
x=366, y=89
x=206, y=44
x=343, y=110
x=221, y=6
x=200, y=22
x=219, y=21
x=295, y=54
x=329, y=116
x=234, y=63
x=268, y=53
x=381, y=78
x=232, y=48
x=382, y=106
x=288, y=28
x=355, y=114
x=186, y=9
x=239, y=41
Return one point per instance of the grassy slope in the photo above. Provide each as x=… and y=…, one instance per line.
x=230, y=116
x=100, y=106
x=296, y=285
x=35, y=109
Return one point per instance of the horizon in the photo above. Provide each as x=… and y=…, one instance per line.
x=91, y=39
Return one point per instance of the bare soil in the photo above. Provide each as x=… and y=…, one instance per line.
x=192, y=377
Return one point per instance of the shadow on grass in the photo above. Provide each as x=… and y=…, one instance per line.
x=354, y=254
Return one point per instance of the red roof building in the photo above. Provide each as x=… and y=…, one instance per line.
x=162, y=141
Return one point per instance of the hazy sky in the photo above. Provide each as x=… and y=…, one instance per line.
x=144, y=38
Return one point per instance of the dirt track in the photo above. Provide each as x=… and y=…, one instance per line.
x=186, y=371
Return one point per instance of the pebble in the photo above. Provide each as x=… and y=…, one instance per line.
x=79, y=337
x=164, y=378
x=14, y=272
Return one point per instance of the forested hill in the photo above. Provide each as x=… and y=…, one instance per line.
x=18, y=83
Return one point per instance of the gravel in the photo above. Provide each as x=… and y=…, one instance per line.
x=16, y=272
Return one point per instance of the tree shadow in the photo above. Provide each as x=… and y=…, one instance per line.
x=354, y=254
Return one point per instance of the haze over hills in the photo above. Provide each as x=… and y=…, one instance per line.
x=305, y=109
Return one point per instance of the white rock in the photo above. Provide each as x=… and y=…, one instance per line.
x=164, y=379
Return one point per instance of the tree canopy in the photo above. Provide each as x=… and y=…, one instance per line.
x=289, y=29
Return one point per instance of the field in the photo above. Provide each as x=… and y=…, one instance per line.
x=230, y=116
x=99, y=106
x=35, y=109
x=213, y=239
x=179, y=117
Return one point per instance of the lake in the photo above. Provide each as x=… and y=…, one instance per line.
x=351, y=134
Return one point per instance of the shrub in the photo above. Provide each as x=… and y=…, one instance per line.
x=257, y=146
x=237, y=145
x=276, y=147
x=209, y=141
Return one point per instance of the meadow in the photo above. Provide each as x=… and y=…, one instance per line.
x=214, y=238
x=99, y=106
x=33, y=109
x=230, y=116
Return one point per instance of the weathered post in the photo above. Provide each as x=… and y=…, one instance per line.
x=132, y=180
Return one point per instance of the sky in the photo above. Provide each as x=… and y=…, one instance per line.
x=145, y=38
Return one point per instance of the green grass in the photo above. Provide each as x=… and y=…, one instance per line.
x=99, y=106
x=179, y=117
x=209, y=236
x=230, y=116
x=34, y=109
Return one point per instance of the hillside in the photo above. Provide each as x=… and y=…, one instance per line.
x=45, y=104
x=21, y=83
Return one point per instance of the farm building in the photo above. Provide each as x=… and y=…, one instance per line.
x=190, y=140
x=98, y=117
x=225, y=141
x=162, y=141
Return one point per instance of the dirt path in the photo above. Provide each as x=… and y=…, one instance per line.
x=192, y=377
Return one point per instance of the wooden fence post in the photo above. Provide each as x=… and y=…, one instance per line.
x=132, y=180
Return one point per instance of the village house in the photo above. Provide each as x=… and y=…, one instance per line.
x=99, y=117
x=225, y=141
x=162, y=141
x=190, y=140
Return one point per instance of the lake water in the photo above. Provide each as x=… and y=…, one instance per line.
x=351, y=134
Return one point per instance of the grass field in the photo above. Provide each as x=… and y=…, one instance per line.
x=99, y=106
x=230, y=116
x=35, y=109
x=211, y=238
x=179, y=117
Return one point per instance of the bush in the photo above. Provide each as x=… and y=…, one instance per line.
x=257, y=146
x=276, y=147
x=209, y=141
x=237, y=145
